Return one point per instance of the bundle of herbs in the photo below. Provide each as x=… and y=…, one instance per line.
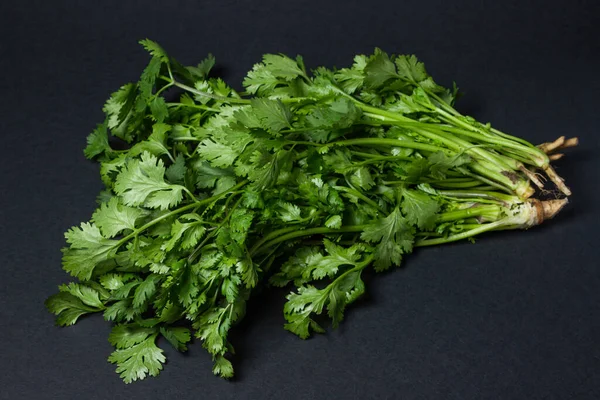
x=303, y=180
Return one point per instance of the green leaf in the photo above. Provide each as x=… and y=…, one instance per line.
x=119, y=105
x=282, y=66
x=352, y=79
x=362, y=178
x=335, y=222
x=208, y=177
x=113, y=217
x=289, y=212
x=217, y=154
x=394, y=237
x=156, y=142
x=409, y=68
x=154, y=49
x=141, y=182
x=114, y=281
x=240, y=223
x=67, y=308
x=337, y=256
x=260, y=81
x=379, y=70
x=87, y=249
x=222, y=367
x=345, y=290
x=272, y=114
x=415, y=170
x=298, y=308
x=119, y=311
x=190, y=232
x=158, y=108
x=138, y=361
x=177, y=336
x=97, y=142
x=127, y=335
x=419, y=209
x=440, y=163
x=176, y=172
x=86, y=294
x=145, y=291
x=202, y=70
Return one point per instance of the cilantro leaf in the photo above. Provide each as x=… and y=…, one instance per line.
x=177, y=336
x=379, y=69
x=272, y=114
x=411, y=69
x=203, y=68
x=217, y=154
x=141, y=182
x=88, y=248
x=138, y=361
x=97, y=142
x=67, y=308
x=113, y=217
x=394, y=238
x=419, y=209
x=440, y=163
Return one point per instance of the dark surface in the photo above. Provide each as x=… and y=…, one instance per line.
x=516, y=316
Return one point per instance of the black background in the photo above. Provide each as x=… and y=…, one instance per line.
x=516, y=316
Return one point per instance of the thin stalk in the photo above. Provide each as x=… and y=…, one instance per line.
x=463, y=235
x=210, y=95
x=387, y=142
x=479, y=194
x=358, y=194
x=490, y=212
x=178, y=211
x=307, y=232
x=198, y=106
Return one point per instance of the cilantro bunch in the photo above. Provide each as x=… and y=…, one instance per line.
x=303, y=180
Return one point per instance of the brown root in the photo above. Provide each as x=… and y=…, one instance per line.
x=551, y=146
x=572, y=142
x=547, y=209
x=558, y=181
x=532, y=177
x=556, y=156
x=558, y=144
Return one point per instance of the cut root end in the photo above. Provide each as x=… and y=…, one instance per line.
x=558, y=144
x=547, y=209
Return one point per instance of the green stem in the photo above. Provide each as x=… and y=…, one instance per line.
x=490, y=212
x=271, y=236
x=463, y=235
x=389, y=143
x=308, y=232
x=198, y=106
x=210, y=95
x=479, y=194
x=361, y=196
x=178, y=211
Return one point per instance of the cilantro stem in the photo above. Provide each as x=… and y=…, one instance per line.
x=198, y=106
x=271, y=236
x=361, y=196
x=387, y=142
x=463, y=235
x=309, y=232
x=197, y=203
x=210, y=95
x=479, y=194
x=489, y=212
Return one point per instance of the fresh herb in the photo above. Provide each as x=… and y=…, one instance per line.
x=305, y=179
